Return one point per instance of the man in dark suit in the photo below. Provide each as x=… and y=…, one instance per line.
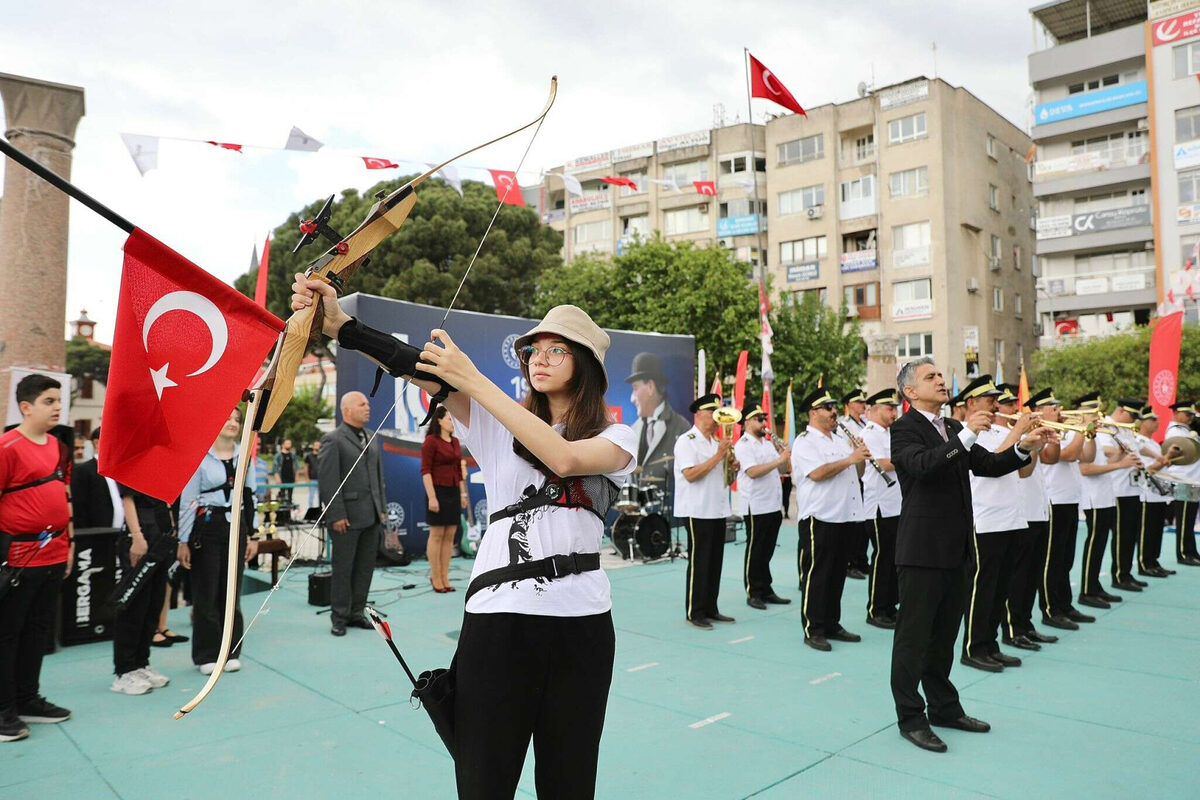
x=933, y=456
x=94, y=498
x=658, y=425
x=355, y=513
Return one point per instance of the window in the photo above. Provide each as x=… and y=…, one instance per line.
x=1093, y=84
x=863, y=297
x=993, y=197
x=1016, y=256
x=997, y=299
x=586, y=232
x=1017, y=305
x=685, y=172
x=1187, y=59
x=798, y=200
x=992, y=149
x=858, y=189
x=914, y=345
x=1189, y=186
x=910, y=244
x=639, y=225
x=909, y=183
x=1127, y=144
x=995, y=248
x=906, y=129
x=809, y=148
x=801, y=250
x=685, y=220
x=822, y=295
x=735, y=164
x=1187, y=124
x=864, y=147
x=740, y=207
x=857, y=242
x=997, y=354
x=907, y=291
x=639, y=179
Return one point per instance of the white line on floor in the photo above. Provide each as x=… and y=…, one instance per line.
x=710, y=720
x=743, y=639
x=641, y=667
x=824, y=678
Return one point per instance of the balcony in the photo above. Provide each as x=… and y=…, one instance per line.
x=1094, y=230
x=1119, y=166
x=857, y=207
x=1097, y=291
x=1086, y=54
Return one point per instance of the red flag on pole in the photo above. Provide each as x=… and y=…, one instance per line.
x=1164, y=366
x=1023, y=394
x=185, y=347
x=763, y=83
x=705, y=187
x=237, y=148
x=379, y=163
x=620, y=181
x=507, y=189
x=260, y=288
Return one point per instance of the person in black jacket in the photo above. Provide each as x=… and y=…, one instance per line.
x=92, y=495
x=932, y=456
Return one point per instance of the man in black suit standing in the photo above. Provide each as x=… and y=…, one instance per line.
x=95, y=502
x=933, y=457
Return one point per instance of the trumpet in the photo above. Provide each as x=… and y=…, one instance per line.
x=727, y=417
x=856, y=442
x=1056, y=426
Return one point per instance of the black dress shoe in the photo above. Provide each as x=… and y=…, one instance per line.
x=1143, y=584
x=925, y=739
x=818, y=642
x=856, y=574
x=701, y=623
x=985, y=663
x=1109, y=596
x=963, y=723
x=338, y=629
x=1153, y=572
x=1075, y=615
x=1164, y=569
x=1127, y=586
x=1005, y=660
x=1040, y=638
x=843, y=635
x=1093, y=600
x=1020, y=642
x=1061, y=622
x=776, y=600
x=361, y=622
x=720, y=618
x=881, y=622
x=1189, y=561
x=756, y=602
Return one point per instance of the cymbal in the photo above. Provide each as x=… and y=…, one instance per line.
x=652, y=479
x=660, y=460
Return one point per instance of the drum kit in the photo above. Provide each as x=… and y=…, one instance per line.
x=643, y=529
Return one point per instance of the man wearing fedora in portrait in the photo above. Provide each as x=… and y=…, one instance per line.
x=658, y=425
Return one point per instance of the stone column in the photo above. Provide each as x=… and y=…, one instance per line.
x=40, y=119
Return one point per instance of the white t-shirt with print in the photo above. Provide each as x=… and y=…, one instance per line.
x=538, y=533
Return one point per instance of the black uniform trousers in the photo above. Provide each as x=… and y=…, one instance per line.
x=856, y=549
x=353, y=562
x=1154, y=516
x=706, y=554
x=209, y=544
x=1185, y=530
x=1100, y=522
x=1128, y=529
x=1061, y=531
x=520, y=676
x=134, y=627
x=26, y=625
x=988, y=590
x=825, y=578
x=762, y=532
x=1028, y=556
x=931, y=609
x=882, y=593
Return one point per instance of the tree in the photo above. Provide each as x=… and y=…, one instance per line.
x=813, y=341
x=298, y=420
x=425, y=259
x=86, y=358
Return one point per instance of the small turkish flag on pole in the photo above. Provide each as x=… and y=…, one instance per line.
x=507, y=189
x=237, y=148
x=186, y=345
x=763, y=83
x=705, y=187
x=379, y=163
x=621, y=181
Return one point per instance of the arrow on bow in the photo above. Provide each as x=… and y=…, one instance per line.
x=271, y=394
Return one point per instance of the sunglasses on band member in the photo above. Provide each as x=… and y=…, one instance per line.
x=555, y=354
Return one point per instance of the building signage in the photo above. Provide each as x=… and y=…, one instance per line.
x=1054, y=227
x=590, y=202
x=684, y=140
x=554, y=215
x=912, y=309
x=971, y=349
x=903, y=95
x=1080, y=105
x=1091, y=285
x=859, y=261
x=1176, y=29
x=803, y=272
x=1187, y=154
x=585, y=163
x=1163, y=8
x=1129, y=283
x=739, y=226
x=910, y=257
x=1093, y=222
x=1082, y=162
x=1188, y=214
x=643, y=150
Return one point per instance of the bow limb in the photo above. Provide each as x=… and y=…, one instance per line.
x=234, y=564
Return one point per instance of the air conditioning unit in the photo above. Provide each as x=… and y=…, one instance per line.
x=726, y=242
x=815, y=212
x=994, y=263
x=972, y=285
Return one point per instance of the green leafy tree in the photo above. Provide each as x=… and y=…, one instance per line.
x=86, y=358
x=298, y=420
x=812, y=342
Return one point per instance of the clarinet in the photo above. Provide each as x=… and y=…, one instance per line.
x=1140, y=470
x=857, y=442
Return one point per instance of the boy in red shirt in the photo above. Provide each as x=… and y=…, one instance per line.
x=36, y=548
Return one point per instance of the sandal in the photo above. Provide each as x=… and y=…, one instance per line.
x=173, y=636
x=163, y=642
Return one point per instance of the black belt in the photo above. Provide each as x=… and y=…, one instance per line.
x=550, y=568
x=34, y=537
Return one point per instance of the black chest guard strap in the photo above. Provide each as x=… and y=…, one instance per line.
x=396, y=358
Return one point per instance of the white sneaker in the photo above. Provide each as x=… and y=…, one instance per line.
x=131, y=683
x=233, y=665
x=207, y=669
x=153, y=677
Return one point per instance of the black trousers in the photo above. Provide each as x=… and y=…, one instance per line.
x=706, y=554
x=787, y=494
x=821, y=610
x=856, y=546
x=1154, y=516
x=988, y=590
x=26, y=625
x=521, y=676
x=1128, y=530
x=353, y=561
x=1061, y=531
x=1028, y=556
x=210, y=576
x=883, y=594
x=1185, y=530
x=931, y=609
x=1100, y=522
x=133, y=628
x=762, y=532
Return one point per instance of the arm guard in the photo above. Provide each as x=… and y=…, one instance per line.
x=396, y=358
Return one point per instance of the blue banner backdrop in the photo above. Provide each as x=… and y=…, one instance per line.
x=487, y=339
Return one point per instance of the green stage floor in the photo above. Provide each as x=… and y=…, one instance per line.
x=1112, y=710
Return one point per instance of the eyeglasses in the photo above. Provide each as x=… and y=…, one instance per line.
x=554, y=354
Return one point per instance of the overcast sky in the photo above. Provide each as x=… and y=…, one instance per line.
x=421, y=81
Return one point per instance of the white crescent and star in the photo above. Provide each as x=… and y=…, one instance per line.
x=766, y=79
x=203, y=308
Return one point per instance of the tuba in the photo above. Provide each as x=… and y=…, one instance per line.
x=727, y=417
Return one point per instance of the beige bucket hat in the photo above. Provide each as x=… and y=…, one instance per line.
x=571, y=323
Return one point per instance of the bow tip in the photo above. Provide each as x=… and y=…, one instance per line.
x=180, y=714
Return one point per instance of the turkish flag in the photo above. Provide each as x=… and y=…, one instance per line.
x=621, y=181
x=379, y=163
x=1164, y=366
x=185, y=347
x=706, y=187
x=507, y=189
x=237, y=148
x=763, y=83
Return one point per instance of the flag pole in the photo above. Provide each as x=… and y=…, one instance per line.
x=762, y=254
x=62, y=184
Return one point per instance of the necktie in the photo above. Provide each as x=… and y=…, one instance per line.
x=644, y=444
x=940, y=424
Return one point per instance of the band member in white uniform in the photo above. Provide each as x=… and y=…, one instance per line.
x=854, y=404
x=762, y=503
x=881, y=505
x=1155, y=504
x=1184, y=413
